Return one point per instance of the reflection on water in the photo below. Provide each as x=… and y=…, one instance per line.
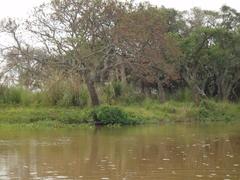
x=161, y=152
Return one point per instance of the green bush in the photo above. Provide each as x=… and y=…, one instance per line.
x=107, y=115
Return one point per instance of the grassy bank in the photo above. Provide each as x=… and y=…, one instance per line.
x=149, y=111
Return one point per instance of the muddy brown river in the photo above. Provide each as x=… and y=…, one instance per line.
x=164, y=152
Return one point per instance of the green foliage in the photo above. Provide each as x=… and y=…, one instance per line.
x=108, y=115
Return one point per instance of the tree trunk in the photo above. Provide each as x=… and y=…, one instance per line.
x=161, y=92
x=219, y=90
x=227, y=92
x=197, y=92
x=92, y=91
x=123, y=74
x=223, y=92
x=142, y=87
x=196, y=95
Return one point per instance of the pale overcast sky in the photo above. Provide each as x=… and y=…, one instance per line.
x=20, y=8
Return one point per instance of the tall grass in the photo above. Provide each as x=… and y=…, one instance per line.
x=66, y=93
x=58, y=94
x=17, y=96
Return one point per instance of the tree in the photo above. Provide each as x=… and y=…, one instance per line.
x=75, y=35
x=211, y=53
x=142, y=39
x=26, y=65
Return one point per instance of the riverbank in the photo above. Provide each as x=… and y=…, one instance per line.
x=145, y=113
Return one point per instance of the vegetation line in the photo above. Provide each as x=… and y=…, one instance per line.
x=113, y=62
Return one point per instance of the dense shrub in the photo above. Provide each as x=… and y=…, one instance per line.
x=107, y=115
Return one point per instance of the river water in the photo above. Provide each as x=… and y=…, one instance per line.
x=165, y=152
